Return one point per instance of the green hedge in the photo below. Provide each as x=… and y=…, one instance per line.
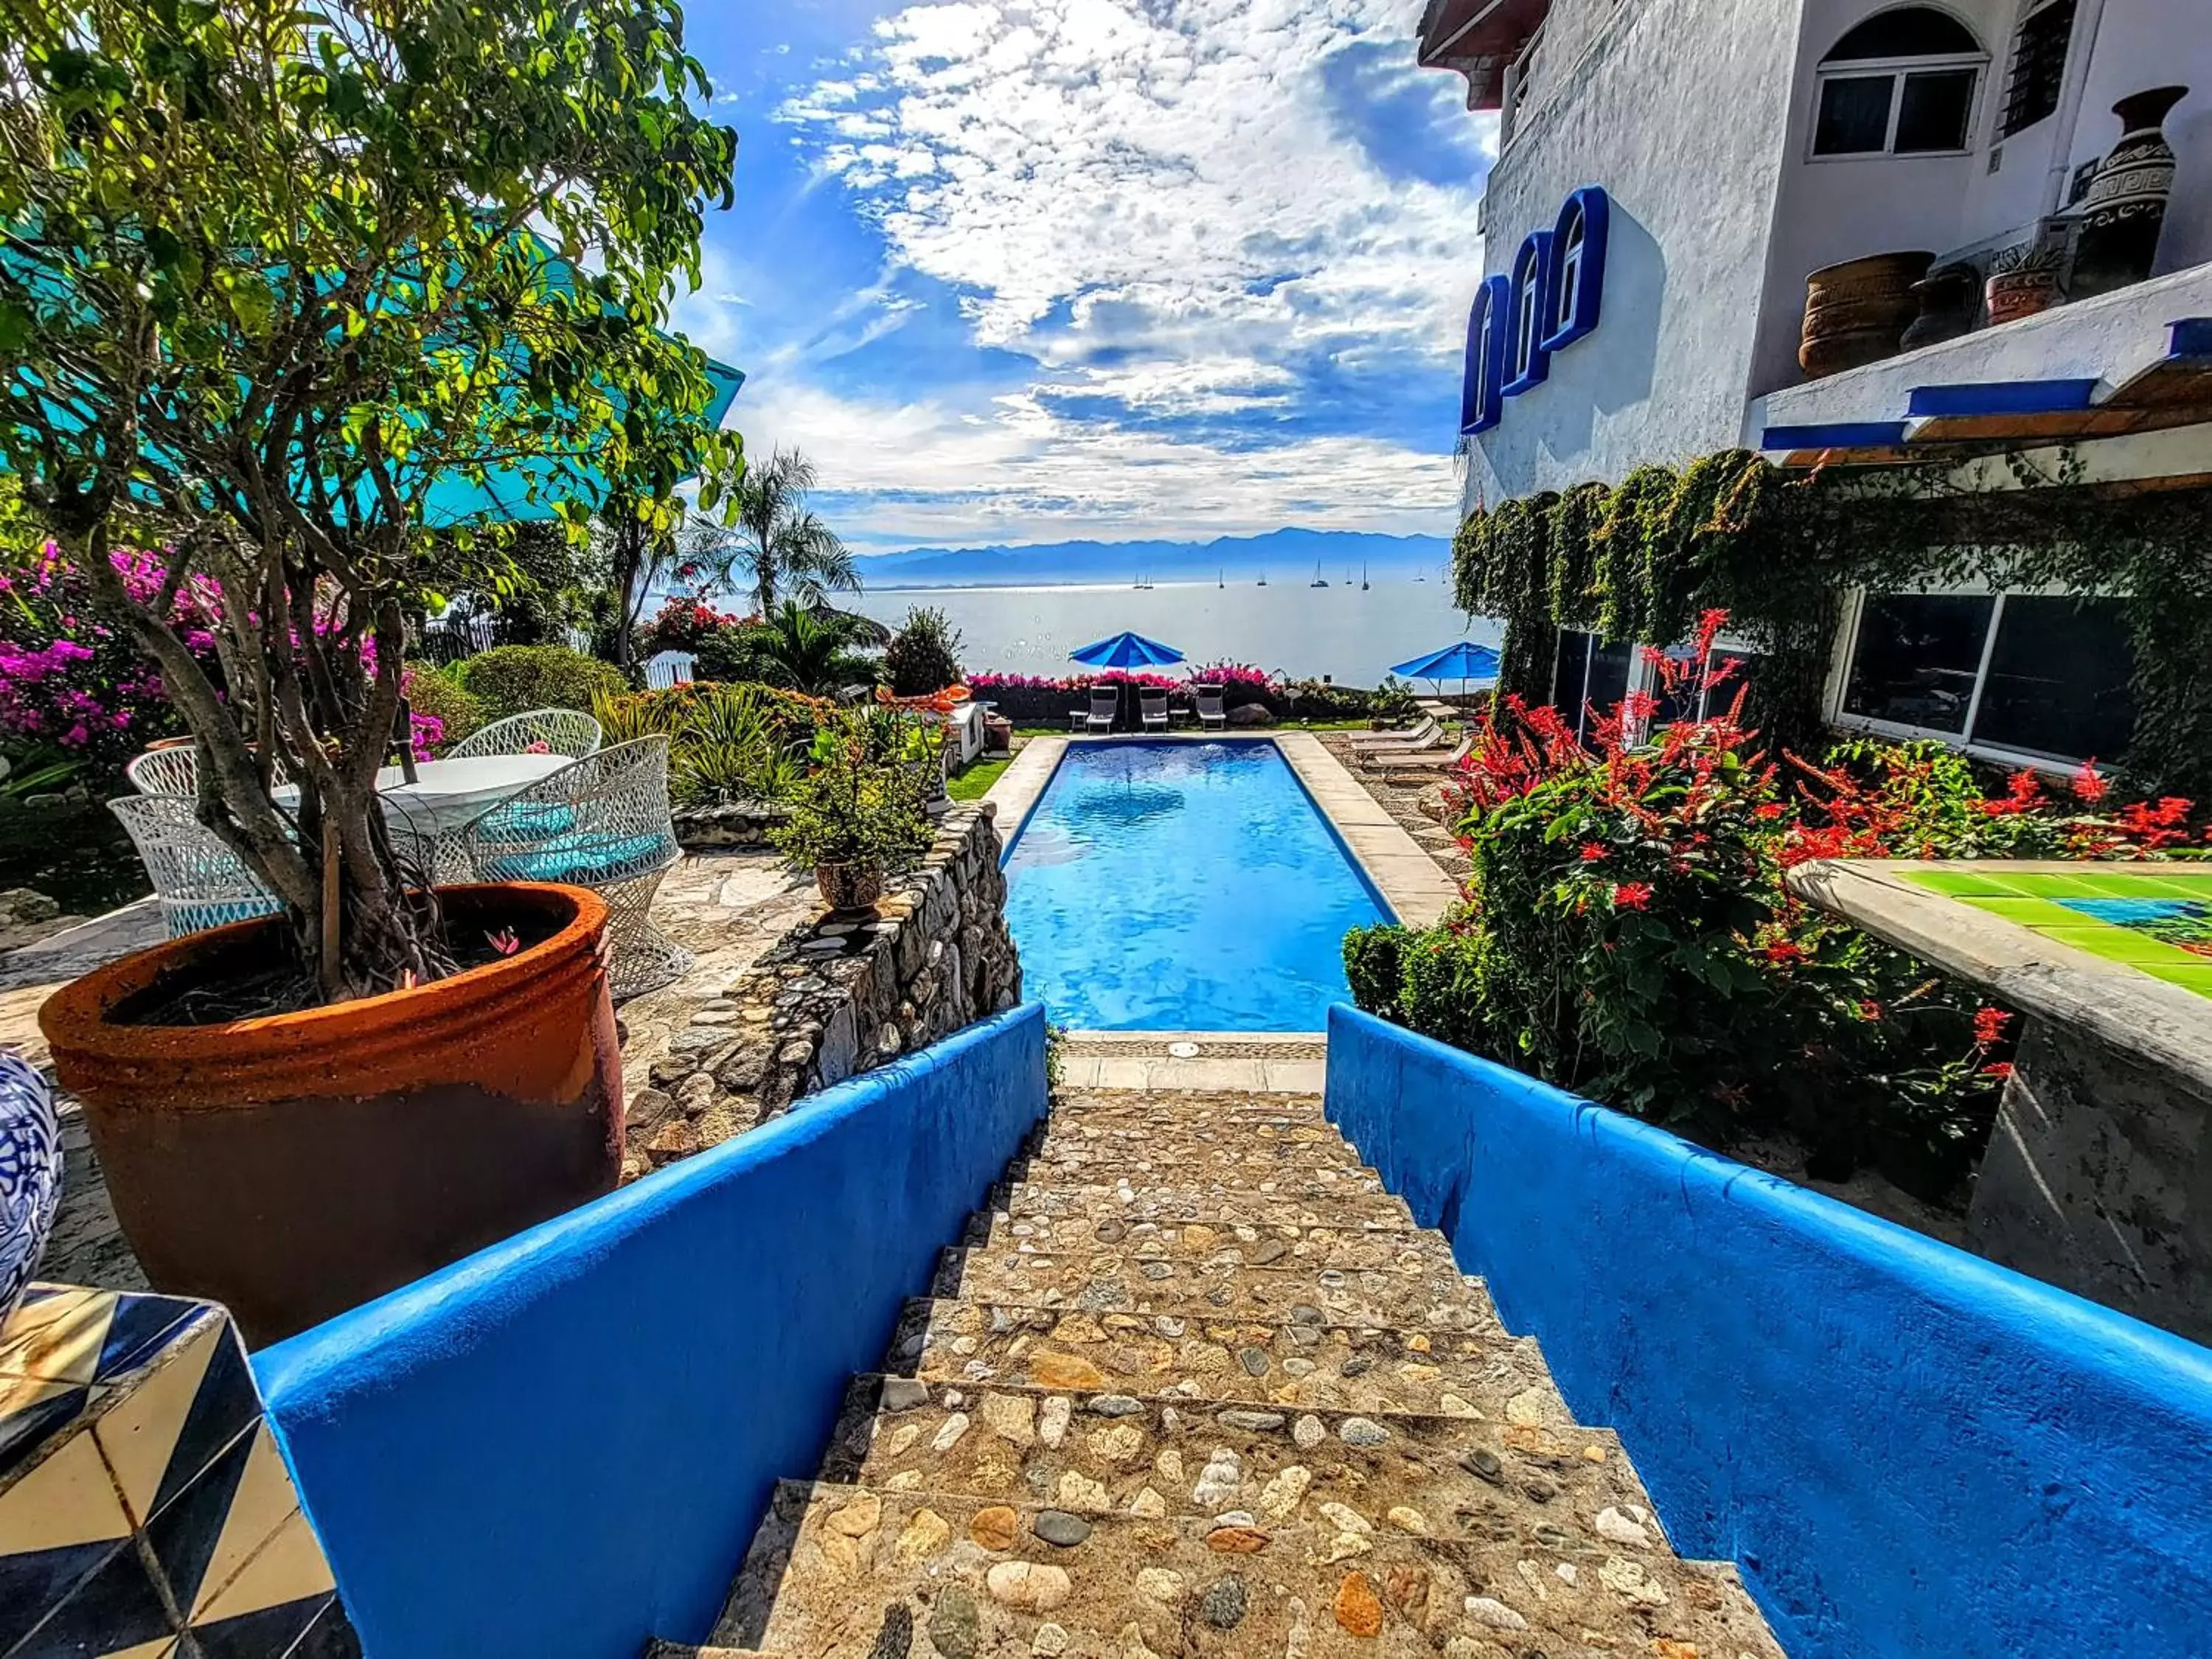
x=514, y=679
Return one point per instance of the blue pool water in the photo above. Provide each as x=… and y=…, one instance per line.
x=1166, y=886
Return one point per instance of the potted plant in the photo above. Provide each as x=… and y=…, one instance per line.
x=860, y=812
x=313, y=345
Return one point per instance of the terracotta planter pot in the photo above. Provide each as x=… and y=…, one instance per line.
x=294, y=1166
x=2021, y=288
x=849, y=886
x=1856, y=312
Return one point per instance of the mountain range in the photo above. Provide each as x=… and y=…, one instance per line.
x=1282, y=555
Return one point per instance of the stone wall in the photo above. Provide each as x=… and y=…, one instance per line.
x=745, y=825
x=840, y=994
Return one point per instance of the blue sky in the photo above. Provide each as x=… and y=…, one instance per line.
x=1024, y=272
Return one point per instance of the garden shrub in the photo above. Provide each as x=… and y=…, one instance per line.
x=512, y=679
x=924, y=655
x=1627, y=934
x=437, y=694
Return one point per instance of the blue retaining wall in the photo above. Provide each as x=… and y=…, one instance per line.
x=561, y=1446
x=1909, y=1451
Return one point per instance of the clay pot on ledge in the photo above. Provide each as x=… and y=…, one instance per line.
x=2124, y=209
x=849, y=886
x=295, y=1165
x=1856, y=312
x=1949, y=299
x=2023, y=281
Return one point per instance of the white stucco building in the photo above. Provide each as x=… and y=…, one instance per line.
x=1670, y=172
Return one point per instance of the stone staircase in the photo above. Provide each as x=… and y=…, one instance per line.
x=1195, y=1385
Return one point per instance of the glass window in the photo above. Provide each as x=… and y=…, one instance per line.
x=2058, y=676
x=1608, y=679
x=1683, y=704
x=1853, y=115
x=2039, y=67
x=1570, y=257
x=1719, y=699
x=1568, y=672
x=1529, y=329
x=1904, y=32
x=1916, y=658
x=1933, y=111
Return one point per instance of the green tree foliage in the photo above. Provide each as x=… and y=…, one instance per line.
x=811, y=651
x=774, y=547
x=514, y=679
x=924, y=656
x=276, y=281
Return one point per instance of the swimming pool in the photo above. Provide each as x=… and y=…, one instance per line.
x=1182, y=886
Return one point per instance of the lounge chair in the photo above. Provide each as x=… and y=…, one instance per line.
x=1105, y=704
x=567, y=732
x=1436, y=762
x=1376, y=754
x=200, y=882
x=174, y=771
x=1413, y=737
x=602, y=823
x=1153, y=707
x=1211, y=715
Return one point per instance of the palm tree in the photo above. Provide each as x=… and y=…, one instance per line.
x=809, y=651
x=780, y=548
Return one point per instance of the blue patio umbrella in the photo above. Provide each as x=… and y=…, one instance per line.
x=1127, y=651
x=1461, y=662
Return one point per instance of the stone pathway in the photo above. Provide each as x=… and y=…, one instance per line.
x=1414, y=798
x=1195, y=1385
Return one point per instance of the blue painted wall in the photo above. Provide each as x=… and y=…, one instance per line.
x=1909, y=1451
x=561, y=1446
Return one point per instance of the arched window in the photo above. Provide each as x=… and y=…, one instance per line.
x=1527, y=362
x=1481, y=400
x=1577, y=288
x=1903, y=82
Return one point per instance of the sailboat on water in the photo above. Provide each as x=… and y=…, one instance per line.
x=1263, y=579
x=1319, y=579
x=1362, y=578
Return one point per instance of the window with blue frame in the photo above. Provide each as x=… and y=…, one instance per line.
x=1526, y=361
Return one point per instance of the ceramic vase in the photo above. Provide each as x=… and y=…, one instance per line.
x=1949, y=301
x=2022, y=282
x=2125, y=207
x=30, y=1174
x=1856, y=312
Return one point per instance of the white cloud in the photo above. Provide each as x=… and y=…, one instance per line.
x=1155, y=201
x=1017, y=471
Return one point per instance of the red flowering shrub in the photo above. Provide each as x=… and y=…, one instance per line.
x=1627, y=933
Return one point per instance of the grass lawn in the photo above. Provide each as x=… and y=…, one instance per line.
x=971, y=784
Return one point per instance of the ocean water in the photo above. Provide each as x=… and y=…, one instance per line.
x=1306, y=632
x=1183, y=886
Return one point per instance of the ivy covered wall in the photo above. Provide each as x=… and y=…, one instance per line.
x=1641, y=560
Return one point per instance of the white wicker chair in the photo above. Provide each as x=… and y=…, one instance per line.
x=562, y=731
x=199, y=880
x=172, y=771
x=602, y=823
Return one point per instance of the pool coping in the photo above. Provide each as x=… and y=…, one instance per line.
x=2037, y=975
x=1417, y=889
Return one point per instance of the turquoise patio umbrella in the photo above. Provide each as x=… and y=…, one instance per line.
x=1126, y=651
x=1462, y=662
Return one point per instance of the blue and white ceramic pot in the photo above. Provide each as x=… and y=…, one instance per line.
x=30, y=1174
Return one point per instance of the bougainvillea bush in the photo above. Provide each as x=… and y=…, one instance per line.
x=1627, y=934
x=72, y=684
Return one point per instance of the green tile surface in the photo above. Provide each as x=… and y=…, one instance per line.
x=2031, y=899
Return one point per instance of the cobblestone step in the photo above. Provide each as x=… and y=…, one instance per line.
x=1152, y=1458
x=1381, y=1369
x=1194, y=1386
x=1179, y=1237
x=1185, y=1109
x=840, y=1572
x=1223, y=1155
x=1356, y=1200
x=1425, y=1298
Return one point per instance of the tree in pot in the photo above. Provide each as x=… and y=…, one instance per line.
x=860, y=812
x=286, y=291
